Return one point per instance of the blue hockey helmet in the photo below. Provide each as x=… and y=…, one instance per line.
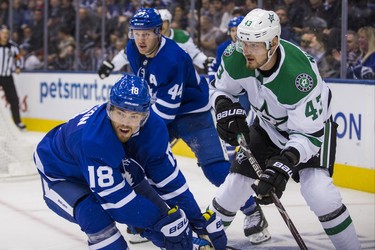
x=131, y=93
x=146, y=18
x=235, y=21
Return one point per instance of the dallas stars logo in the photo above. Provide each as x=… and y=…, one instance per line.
x=271, y=17
x=304, y=82
x=264, y=114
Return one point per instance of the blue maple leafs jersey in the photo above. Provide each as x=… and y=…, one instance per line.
x=173, y=80
x=86, y=150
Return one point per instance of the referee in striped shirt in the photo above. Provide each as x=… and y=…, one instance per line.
x=10, y=59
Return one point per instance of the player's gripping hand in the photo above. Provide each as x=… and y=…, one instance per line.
x=171, y=232
x=208, y=63
x=105, y=69
x=214, y=229
x=277, y=173
x=231, y=120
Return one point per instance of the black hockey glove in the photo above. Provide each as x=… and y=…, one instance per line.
x=208, y=63
x=231, y=120
x=277, y=173
x=105, y=69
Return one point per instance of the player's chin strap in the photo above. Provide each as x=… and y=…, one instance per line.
x=269, y=54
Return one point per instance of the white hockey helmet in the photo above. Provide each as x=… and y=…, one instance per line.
x=259, y=26
x=165, y=15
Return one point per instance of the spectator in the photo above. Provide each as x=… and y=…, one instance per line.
x=250, y=5
x=53, y=25
x=323, y=15
x=319, y=52
x=296, y=12
x=89, y=27
x=209, y=33
x=179, y=20
x=365, y=66
x=360, y=14
x=306, y=39
x=68, y=15
x=10, y=59
x=206, y=9
x=287, y=32
x=27, y=37
x=113, y=8
x=218, y=12
x=64, y=59
x=131, y=7
x=18, y=15
x=32, y=60
x=228, y=14
x=4, y=12
x=352, y=47
x=37, y=27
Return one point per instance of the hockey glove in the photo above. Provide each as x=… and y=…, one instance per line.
x=171, y=232
x=105, y=69
x=277, y=173
x=214, y=229
x=231, y=120
x=208, y=63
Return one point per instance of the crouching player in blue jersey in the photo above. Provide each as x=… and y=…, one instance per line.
x=93, y=174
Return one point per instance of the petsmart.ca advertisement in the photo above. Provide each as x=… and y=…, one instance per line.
x=58, y=96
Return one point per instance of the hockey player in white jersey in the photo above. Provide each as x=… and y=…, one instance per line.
x=93, y=172
x=293, y=135
x=181, y=37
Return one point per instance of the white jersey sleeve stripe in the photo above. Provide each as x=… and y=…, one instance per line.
x=112, y=190
x=162, y=115
x=175, y=193
x=166, y=180
x=121, y=203
x=167, y=104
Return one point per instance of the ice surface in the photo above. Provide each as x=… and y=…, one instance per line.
x=27, y=224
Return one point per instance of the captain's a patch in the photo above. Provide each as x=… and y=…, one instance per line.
x=229, y=50
x=304, y=82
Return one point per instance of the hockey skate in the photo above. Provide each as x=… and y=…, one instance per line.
x=255, y=226
x=134, y=236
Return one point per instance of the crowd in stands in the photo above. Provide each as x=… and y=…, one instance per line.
x=314, y=25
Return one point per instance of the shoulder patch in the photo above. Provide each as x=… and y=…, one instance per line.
x=304, y=82
x=229, y=50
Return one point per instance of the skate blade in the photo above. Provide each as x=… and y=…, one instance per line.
x=260, y=237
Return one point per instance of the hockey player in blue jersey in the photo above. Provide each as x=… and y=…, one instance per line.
x=181, y=95
x=93, y=174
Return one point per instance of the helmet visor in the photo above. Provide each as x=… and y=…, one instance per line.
x=126, y=117
x=253, y=48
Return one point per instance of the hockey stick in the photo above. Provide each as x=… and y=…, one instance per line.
x=241, y=140
x=174, y=142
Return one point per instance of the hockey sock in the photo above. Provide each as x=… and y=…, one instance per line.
x=339, y=227
x=216, y=172
x=249, y=206
x=98, y=225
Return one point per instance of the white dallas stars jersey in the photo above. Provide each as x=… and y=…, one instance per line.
x=292, y=103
